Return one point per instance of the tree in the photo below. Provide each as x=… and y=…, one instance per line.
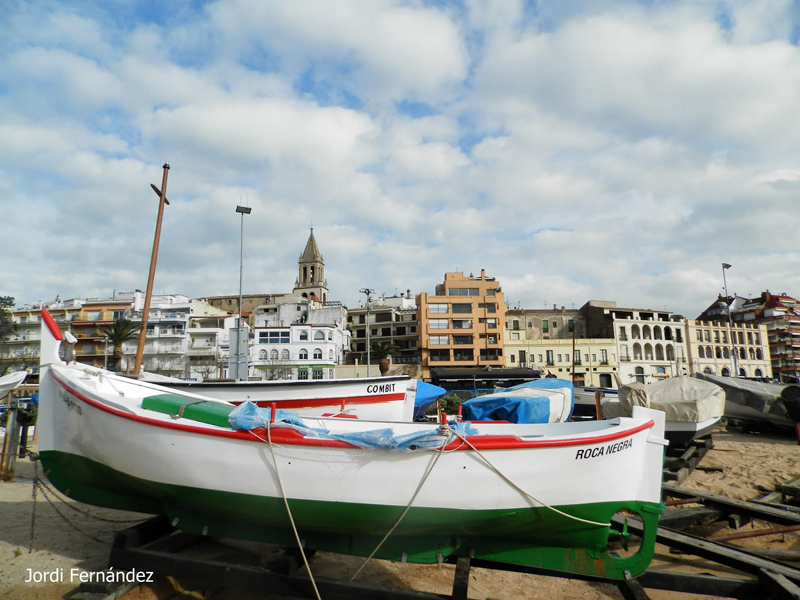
x=123, y=330
x=382, y=351
x=7, y=326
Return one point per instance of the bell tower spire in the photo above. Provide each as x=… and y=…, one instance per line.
x=311, y=272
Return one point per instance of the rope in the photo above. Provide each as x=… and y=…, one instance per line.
x=33, y=494
x=520, y=490
x=289, y=512
x=407, y=508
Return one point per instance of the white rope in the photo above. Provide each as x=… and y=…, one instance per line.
x=520, y=490
x=289, y=512
x=403, y=514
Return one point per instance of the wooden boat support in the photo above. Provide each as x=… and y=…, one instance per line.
x=155, y=546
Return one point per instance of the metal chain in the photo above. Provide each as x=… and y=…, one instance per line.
x=65, y=499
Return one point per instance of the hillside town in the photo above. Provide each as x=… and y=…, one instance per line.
x=461, y=331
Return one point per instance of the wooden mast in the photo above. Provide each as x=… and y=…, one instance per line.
x=162, y=193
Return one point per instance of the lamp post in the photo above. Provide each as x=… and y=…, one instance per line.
x=726, y=266
x=240, y=371
x=368, y=292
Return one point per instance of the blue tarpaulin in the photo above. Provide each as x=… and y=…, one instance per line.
x=427, y=394
x=248, y=416
x=548, y=400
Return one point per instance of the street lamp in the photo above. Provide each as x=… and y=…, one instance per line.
x=368, y=292
x=240, y=371
x=726, y=266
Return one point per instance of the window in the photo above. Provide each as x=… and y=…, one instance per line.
x=463, y=354
x=302, y=373
x=318, y=353
x=515, y=326
x=316, y=374
x=284, y=355
x=437, y=309
x=330, y=354
x=303, y=335
x=491, y=292
x=463, y=292
x=491, y=353
x=545, y=326
x=571, y=325
x=462, y=308
x=262, y=355
x=400, y=331
x=515, y=335
x=490, y=323
x=554, y=324
x=604, y=357
x=439, y=355
x=550, y=360
x=439, y=340
x=386, y=331
x=303, y=355
x=489, y=306
x=273, y=354
x=273, y=337
x=438, y=324
x=462, y=339
x=462, y=323
x=330, y=336
x=319, y=335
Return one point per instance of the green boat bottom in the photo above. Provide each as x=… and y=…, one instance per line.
x=537, y=537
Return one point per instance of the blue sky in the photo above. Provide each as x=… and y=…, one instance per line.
x=575, y=151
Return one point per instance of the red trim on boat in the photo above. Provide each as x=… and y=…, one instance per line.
x=55, y=331
x=319, y=402
x=285, y=435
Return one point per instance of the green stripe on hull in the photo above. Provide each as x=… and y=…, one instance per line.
x=536, y=537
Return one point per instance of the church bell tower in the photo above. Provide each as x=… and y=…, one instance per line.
x=311, y=277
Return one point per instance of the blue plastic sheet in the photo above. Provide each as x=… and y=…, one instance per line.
x=511, y=405
x=427, y=394
x=248, y=416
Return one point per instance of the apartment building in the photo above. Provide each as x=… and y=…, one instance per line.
x=780, y=315
x=461, y=324
x=298, y=338
x=719, y=347
x=391, y=319
x=650, y=344
x=21, y=351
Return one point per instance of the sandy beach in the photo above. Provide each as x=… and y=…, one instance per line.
x=749, y=464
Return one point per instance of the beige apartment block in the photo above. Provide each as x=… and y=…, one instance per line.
x=586, y=362
x=724, y=348
x=461, y=324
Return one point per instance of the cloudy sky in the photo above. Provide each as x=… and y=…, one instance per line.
x=574, y=150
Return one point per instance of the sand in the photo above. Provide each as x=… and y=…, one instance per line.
x=750, y=465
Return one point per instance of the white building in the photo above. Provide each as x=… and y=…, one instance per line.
x=296, y=338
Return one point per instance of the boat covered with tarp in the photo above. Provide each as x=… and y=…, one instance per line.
x=548, y=400
x=748, y=400
x=693, y=408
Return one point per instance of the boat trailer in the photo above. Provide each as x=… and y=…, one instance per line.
x=156, y=546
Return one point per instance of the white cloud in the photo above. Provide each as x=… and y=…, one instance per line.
x=574, y=150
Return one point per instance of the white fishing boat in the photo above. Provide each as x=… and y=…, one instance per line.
x=373, y=398
x=547, y=400
x=541, y=494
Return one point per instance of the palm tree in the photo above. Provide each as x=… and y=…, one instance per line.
x=121, y=331
x=383, y=350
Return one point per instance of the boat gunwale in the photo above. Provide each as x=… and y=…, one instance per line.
x=285, y=435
